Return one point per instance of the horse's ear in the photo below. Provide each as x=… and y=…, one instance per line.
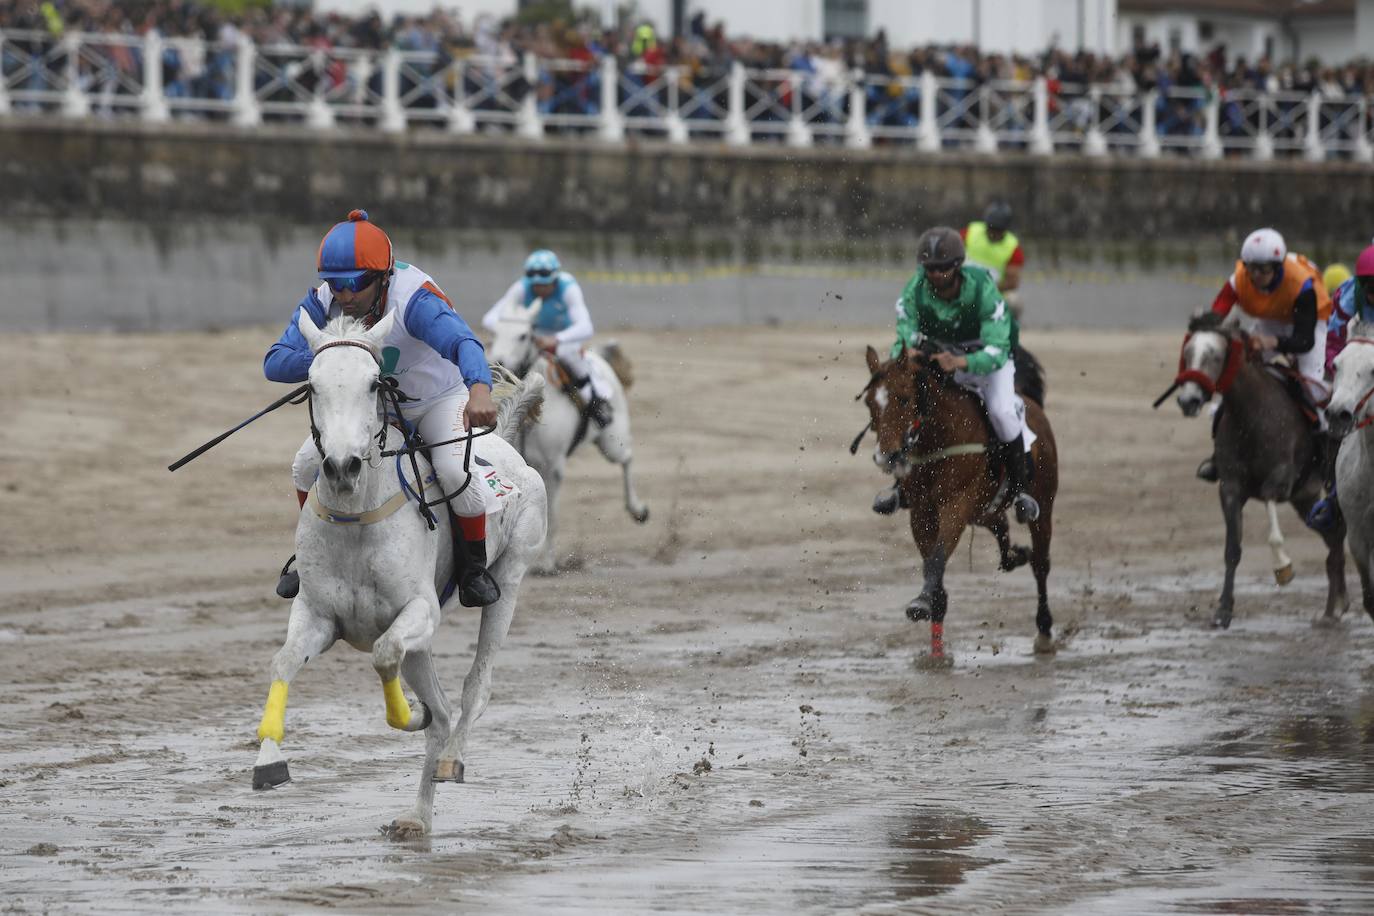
x=532, y=310
x=871, y=355
x=1356, y=328
x=306, y=325
x=377, y=333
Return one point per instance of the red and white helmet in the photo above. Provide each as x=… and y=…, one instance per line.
x=1263, y=246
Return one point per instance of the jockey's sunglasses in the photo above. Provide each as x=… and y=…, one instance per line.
x=540, y=274
x=941, y=268
x=352, y=284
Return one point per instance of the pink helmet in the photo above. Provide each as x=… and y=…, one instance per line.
x=1364, y=264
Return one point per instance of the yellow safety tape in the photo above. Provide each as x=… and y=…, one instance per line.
x=273, y=724
x=397, y=709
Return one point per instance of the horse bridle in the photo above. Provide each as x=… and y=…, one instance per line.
x=912, y=434
x=1230, y=367
x=382, y=390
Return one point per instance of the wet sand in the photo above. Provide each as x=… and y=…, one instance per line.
x=722, y=711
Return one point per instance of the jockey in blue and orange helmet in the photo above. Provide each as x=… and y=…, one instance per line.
x=352, y=255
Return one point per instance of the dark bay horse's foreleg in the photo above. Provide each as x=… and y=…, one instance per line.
x=1042, y=530
x=1232, y=505
x=936, y=528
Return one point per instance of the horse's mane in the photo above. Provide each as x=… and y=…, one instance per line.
x=345, y=328
x=1205, y=321
x=517, y=405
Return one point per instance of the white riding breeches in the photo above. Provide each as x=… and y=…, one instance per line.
x=441, y=420
x=1005, y=408
x=572, y=356
x=1311, y=364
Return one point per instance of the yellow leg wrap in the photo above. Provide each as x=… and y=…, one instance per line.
x=397, y=709
x=274, y=714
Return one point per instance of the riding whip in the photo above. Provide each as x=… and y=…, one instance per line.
x=288, y=399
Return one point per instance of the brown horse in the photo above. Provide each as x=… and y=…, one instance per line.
x=934, y=437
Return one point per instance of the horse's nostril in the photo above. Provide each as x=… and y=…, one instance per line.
x=328, y=468
x=355, y=466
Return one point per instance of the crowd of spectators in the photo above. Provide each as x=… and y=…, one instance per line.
x=700, y=56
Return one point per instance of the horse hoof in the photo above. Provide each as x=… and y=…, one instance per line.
x=405, y=828
x=1044, y=644
x=642, y=516
x=1327, y=622
x=1221, y=622
x=1285, y=575
x=271, y=775
x=927, y=661
x=917, y=611
x=448, y=771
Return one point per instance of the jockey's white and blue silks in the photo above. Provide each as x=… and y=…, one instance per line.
x=563, y=315
x=430, y=351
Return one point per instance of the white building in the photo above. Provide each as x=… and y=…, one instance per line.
x=1283, y=30
x=1026, y=26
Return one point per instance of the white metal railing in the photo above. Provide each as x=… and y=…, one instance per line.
x=81, y=75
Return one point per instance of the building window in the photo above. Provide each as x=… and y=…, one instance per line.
x=846, y=19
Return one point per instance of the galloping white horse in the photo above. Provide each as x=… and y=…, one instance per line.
x=1351, y=415
x=547, y=444
x=371, y=569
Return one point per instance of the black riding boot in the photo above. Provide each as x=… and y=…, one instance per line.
x=600, y=411
x=1018, y=474
x=476, y=587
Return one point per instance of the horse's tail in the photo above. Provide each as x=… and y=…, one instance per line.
x=1030, y=375
x=518, y=404
x=620, y=363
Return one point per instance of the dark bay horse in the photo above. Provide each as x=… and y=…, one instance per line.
x=934, y=437
x=1265, y=449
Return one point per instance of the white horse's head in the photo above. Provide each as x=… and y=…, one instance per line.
x=512, y=343
x=345, y=379
x=1352, y=390
x=1205, y=354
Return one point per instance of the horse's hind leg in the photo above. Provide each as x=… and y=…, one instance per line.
x=1232, y=504
x=1283, y=564
x=1042, y=529
x=307, y=635
x=614, y=443
x=491, y=635
x=418, y=669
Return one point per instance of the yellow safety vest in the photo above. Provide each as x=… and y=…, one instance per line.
x=984, y=252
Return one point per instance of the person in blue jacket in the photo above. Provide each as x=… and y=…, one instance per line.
x=435, y=359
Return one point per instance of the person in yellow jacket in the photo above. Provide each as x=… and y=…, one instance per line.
x=994, y=247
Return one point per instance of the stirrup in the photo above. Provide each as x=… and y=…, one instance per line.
x=289, y=582
x=478, y=589
x=1208, y=471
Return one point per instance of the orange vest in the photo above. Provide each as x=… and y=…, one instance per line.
x=1278, y=304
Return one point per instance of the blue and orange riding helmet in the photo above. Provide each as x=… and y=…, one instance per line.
x=354, y=248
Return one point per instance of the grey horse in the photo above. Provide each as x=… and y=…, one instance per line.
x=1265, y=449
x=1350, y=415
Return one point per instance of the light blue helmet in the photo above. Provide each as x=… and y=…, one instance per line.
x=542, y=265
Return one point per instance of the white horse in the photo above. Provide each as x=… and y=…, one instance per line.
x=547, y=444
x=1351, y=415
x=371, y=568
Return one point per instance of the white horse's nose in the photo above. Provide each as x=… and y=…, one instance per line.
x=342, y=472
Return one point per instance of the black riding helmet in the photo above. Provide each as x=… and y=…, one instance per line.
x=940, y=248
x=998, y=216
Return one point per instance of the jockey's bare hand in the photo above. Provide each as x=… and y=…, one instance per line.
x=951, y=362
x=1261, y=342
x=481, y=409
x=546, y=342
